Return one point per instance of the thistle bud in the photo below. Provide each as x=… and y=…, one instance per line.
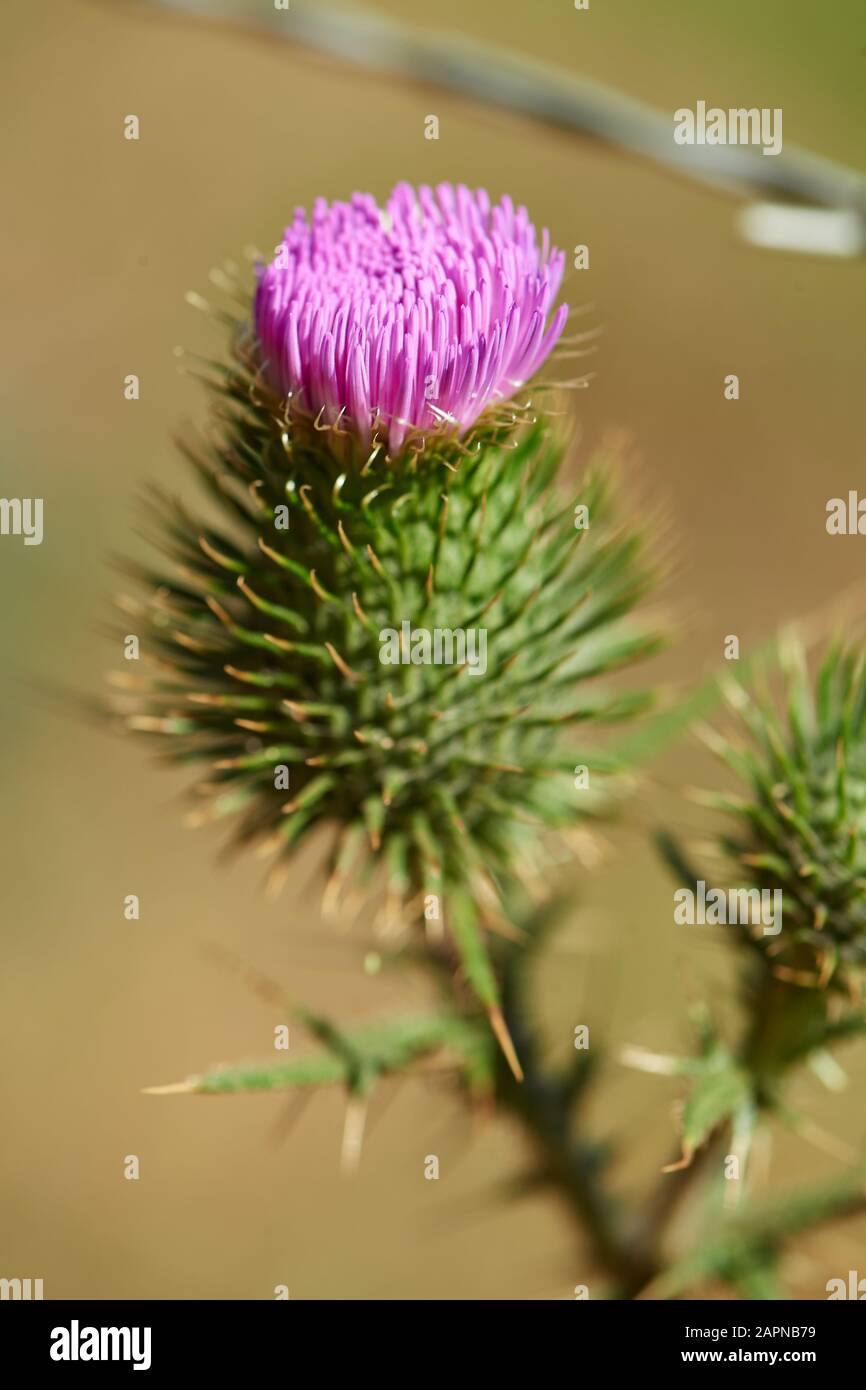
x=801, y=830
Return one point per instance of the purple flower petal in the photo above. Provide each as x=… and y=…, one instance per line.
x=411, y=318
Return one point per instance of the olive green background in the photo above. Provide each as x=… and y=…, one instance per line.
x=101, y=238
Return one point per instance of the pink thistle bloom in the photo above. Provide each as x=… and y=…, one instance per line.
x=410, y=319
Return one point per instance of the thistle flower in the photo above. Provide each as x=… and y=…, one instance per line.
x=268, y=639
x=410, y=319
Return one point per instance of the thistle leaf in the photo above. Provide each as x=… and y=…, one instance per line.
x=722, y=1089
x=373, y=1051
x=753, y=1238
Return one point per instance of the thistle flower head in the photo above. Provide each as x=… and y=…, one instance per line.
x=393, y=652
x=410, y=319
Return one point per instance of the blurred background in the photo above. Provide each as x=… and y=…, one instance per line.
x=101, y=238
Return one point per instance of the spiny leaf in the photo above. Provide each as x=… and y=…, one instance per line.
x=750, y=1239
x=479, y=972
x=722, y=1088
x=375, y=1050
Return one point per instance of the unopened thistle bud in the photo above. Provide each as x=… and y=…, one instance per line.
x=803, y=828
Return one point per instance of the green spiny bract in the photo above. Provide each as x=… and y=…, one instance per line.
x=266, y=642
x=803, y=830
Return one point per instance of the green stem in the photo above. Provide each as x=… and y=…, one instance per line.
x=571, y=1166
x=782, y=1016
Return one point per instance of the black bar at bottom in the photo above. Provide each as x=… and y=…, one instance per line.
x=158, y=1338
